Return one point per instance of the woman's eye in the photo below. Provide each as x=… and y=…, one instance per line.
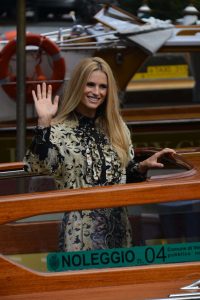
x=90, y=84
x=103, y=86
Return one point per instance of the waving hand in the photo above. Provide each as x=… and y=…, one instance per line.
x=45, y=106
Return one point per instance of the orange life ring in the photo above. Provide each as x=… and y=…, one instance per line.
x=8, y=80
x=8, y=35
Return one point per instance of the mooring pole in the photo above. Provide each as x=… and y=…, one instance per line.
x=21, y=84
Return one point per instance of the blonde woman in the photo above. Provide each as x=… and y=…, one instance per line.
x=84, y=142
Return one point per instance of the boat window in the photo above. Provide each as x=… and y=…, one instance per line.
x=19, y=183
x=161, y=233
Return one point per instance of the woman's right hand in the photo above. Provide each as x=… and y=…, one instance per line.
x=46, y=108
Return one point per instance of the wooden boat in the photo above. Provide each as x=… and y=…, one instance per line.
x=179, y=280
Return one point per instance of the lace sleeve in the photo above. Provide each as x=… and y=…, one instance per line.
x=133, y=174
x=43, y=156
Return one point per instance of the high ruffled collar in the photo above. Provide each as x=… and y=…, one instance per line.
x=84, y=120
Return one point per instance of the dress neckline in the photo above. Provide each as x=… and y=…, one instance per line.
x=85, y=119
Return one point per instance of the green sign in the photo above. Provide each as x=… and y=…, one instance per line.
x=123, y=257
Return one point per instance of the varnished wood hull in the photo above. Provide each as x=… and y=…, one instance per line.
x=140, y=282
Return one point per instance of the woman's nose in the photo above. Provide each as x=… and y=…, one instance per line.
x=96, y=90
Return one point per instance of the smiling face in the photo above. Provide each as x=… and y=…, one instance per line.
x=94, y=94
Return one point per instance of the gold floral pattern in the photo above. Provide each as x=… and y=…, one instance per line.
x=78, y=154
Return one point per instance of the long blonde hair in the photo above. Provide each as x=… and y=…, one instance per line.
x=110, y=119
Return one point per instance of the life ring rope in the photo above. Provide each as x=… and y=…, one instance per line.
x=44, y=44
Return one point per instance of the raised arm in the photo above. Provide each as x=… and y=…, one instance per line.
x=43, y=155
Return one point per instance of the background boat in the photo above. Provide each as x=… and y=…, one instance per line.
x=127, y=60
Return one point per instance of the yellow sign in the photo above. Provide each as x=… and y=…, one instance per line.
x=163, y=71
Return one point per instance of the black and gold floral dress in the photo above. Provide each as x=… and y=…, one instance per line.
x=78, y=154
